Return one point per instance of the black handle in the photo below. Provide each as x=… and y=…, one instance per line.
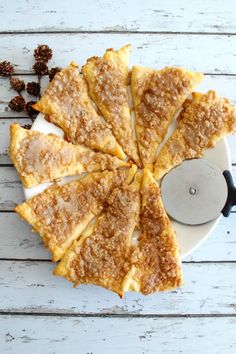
x=231, y=199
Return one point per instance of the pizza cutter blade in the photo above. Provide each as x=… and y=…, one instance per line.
x=197, y=192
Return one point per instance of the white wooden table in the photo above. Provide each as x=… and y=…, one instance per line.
x=40, y=313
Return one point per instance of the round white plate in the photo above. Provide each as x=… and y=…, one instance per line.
x=189, y=237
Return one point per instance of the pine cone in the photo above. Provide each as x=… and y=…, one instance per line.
x=33, y=88
x=17, y=103
x=30, y=110
x=17, y=84
x=27, y=126
x=43, y=53
x=53, y=72
x=6, y=68
x=40, y=68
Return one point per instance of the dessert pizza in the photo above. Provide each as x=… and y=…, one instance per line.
x=102, y=254
x=66, y=103
x=91, y=224
x=158, y=95
x=205, y=119
x=156, y=264
x=107, y=79
x=60, y=213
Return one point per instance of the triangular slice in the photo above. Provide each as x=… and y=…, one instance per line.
x=40, y=157
x=61, y=213
x=205, y=119
x=102, y=254
x=107, y=79
x=158, y=96
x=157, y=264
x=67, y=105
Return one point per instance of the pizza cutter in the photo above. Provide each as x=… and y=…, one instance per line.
x=197, y=192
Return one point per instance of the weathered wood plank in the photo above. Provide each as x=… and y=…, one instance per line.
x=212, y=54
x=209, y=288
x=17, y=241
x=11, y=192
x=164, y=15
x=27, y=334
x=116, y=335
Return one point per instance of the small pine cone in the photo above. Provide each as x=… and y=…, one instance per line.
x=43, y=53
x=17, y=103
x=17, y=84
x=33, y=88
x=40, y=68
x=53, y=72
x=30, y=110
x=27, y=126
x=6, y=68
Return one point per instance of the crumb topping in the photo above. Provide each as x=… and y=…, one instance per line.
x=71, y=109
x=161, y=95
x=110, y=85
x=59, y=209
x=204, y=120
x=37, y=154
x=108, y=79
x=103, y=257
x=159, y=264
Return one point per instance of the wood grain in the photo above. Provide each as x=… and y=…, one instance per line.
x=121, y=335
x=213, y=54
x=11, y=192
x=17, y=241
x=209, y=288
x=104, y=15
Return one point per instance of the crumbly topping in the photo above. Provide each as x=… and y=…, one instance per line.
x=59, y=209
x=159, y=265
x=68, y=105
x=204, y=120
x=103, y=257
x=110, y=85
x=38, y=155
x=107, y=79
x=162, y=95
x=98, y=161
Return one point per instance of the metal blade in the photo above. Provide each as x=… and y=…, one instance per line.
x=195, y=192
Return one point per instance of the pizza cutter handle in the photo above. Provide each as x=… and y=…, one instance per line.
x=231, y=199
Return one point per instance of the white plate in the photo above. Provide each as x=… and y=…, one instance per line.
x=189, y=237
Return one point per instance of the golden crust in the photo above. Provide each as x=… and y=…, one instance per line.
x=107, y=79
x=158, y=96
x=67, y=105
x=40, y=157
x=156, y=261
x=61, y=213
x=205, y=119
x=102, y=254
